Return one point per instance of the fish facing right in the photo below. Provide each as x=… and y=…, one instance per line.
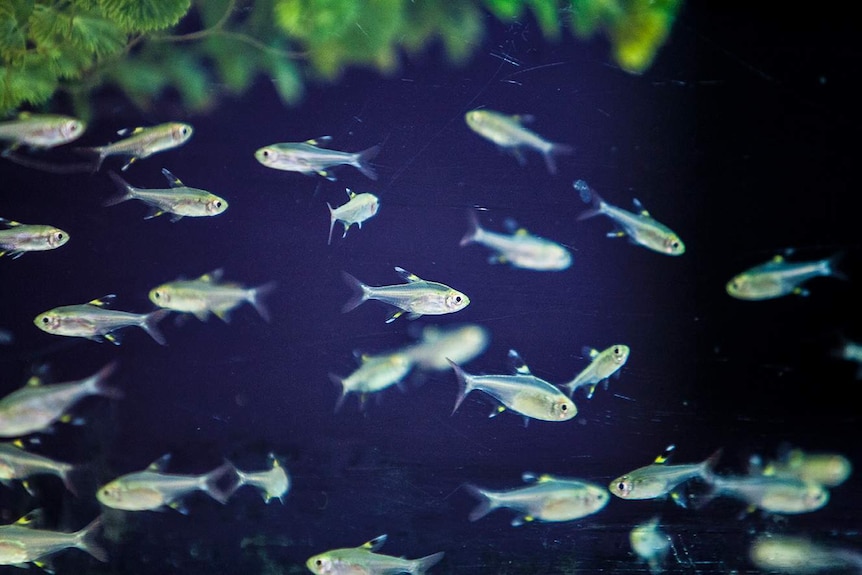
x=364, y=560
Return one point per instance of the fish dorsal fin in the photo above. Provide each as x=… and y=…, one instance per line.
x=274, y=462
x=172, y=179
x=10, y=223
x=511, y=225
x=30, y=519
x=777, y=259
x=159, y=464
x=34, y=381
x=640, y=208
x=524, y=118
x=412, y=278
x=213, y=276
x=375, y=543
x=104, y=301
x=350, y=193
x=590, y=352
x=521, y=232
x=320, y=141
x=529, y=477
x=664, y=457
x=518, y=363
x=130, y=131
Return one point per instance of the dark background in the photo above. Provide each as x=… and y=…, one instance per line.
x=740, y=138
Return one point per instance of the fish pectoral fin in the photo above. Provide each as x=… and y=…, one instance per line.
x=114, y=338
x=497, y=411
x=616, y=234
x=179, y=506
x=394, y=315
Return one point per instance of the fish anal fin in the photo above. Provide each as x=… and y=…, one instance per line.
x=394, y=315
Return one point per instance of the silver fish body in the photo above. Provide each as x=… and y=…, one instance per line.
x=274, y=483
x=18, y=238
x=437, y=346
x=660, y=478
x=602, y=365
x=144, y=142
x=800, y=556
x=364, y=560
x=17, y=464
x=780, y=495
x=520, y=249
x=310, y=157
x=179, y=200
x=777, y=278
x=21, y=544
x=359, y=208
x=376, y=373
x=41, y=130
x=93, y=321
x=650, y=544
x=208, y=294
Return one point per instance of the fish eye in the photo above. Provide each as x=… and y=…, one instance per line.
x=616, y=351
x=46, y=320
x=184, y=131
x=564, y=407
x=157, y=294
x=458, y=299
x=318, y=562
x=266, y=155
x=218, y=204
x=73, y=127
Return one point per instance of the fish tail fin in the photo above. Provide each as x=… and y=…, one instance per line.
x=332, y=220
x=464, y=386
x=99, y=152
x=555, y=150
x=363, y=160
x=85, y=540
x=830, y=266
x=709, y=465
x=97, y=383
x=127, y=191
x=212, y=482
x=360, y=292
x=149, y=323
x=339, y=381
x=474, y=231
x=256, y=295
x=486, y=502
x=423, y=564
x=66, y=473
x=588, y=196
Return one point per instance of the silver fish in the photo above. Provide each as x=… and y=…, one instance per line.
x=523, y=392
x=359, y=207
x=37, y=406
x=93, y=321
x=546, y=498
x=509, y=133
x=17, y=464
x=780, y=495
x=19, y=238
x=640, y=227
x=21, y=544
x=40, y=130
x=376, y=373
x=144, y=142
x=207, y=295
x=437, y=346
x=777, y=278
x=520, y=249
x=179, y=200
x=602, y=365
x=363, y=560
x=273, y=483
x=650, y=544
x=800, y=556
x=152, y=489
x=660, y=478
x=312, y=157
x=417, y=297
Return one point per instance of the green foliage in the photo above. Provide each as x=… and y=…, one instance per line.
x=77, y=46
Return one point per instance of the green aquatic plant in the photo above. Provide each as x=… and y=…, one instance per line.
x=204, y=50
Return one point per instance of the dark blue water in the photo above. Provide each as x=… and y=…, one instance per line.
x=739, y=138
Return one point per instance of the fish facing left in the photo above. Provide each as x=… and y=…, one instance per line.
x=92, y=320
x=178, y=200
x=312, y=157
x=21, y=543
x=357, y=209
x=364, y=560
x=18, y=238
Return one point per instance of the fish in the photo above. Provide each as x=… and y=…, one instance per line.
x=546, y=499
x=520, y=249
x=359, y=207
x=778, y=277
x=850, y=351
x=273, y=483
x=640, y=227
x=17, y=238
x=827, y=469
x=17, y=464
x=416, y=298
x=603, y=364
x=36, y=406
x=207, y=295
x=41, y=131
x=312, y=157
x=143, y=142
x=778, y=495
x=92, y=320
x=798, y=555
x=179, y=200
x=364, y=560
x=509, y=133
x=661, y=478
x=153, y=490
x=376, y=373
x=437, y=346
x=20, y=543
x=650, y=544
x=522, y=393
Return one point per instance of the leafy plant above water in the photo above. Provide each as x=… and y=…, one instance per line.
x=205, y=49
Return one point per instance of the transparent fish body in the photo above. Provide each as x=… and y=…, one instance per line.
x=827, y=469
x=800, y=555
x=36, y=406
x=93, y=321
x=417, y=297
x=777, y=278
x=20, y=544
x=364, y=561
x=603, y=365
x=16, y=464
x=310, y=157
x=273, y=483
x=144, y=142
x=207, y=295
x=773, y=494
x=41, y=130
x=641, y=228
x=520, y=249
x=650, y=544
x=460, y=344
x=358, y=209
x=660, y=478
x=18, y=238
x=508, y=132
x=179, y=200
x=546, y=498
